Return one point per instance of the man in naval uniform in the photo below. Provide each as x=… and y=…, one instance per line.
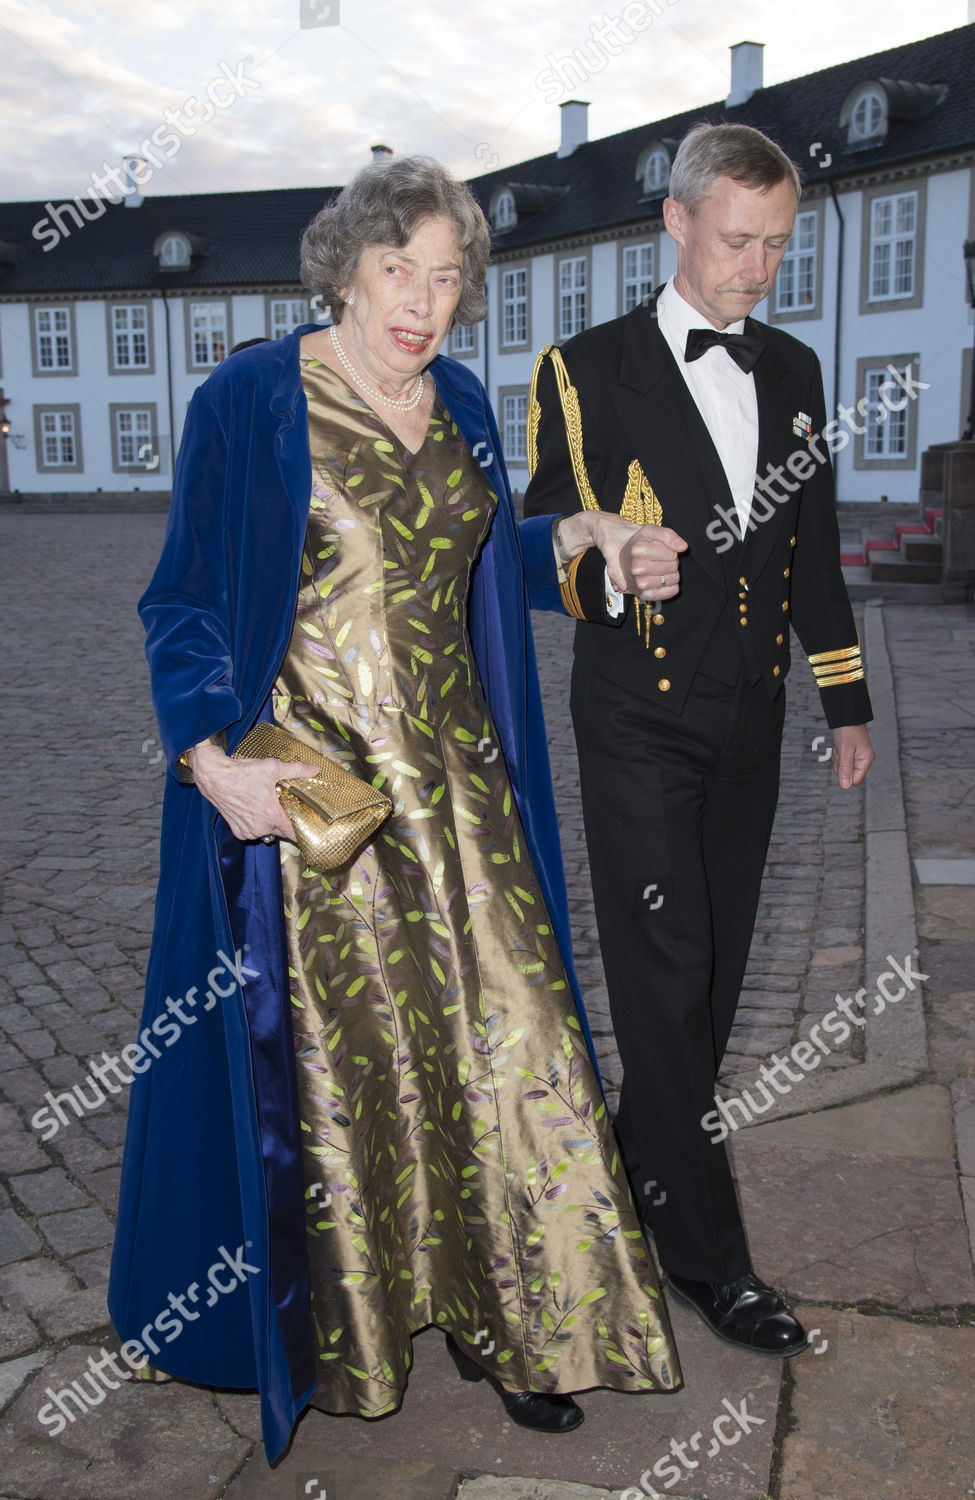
x=689, y=414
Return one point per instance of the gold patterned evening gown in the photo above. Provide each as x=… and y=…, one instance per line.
x=459, y=1163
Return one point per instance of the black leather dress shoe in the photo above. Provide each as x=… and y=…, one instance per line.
x=745, y=1312
x=528, y=1408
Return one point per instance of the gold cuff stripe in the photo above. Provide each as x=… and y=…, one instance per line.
x=843, y=655
x=840, y=679
x=837, y=666
x=570, y=597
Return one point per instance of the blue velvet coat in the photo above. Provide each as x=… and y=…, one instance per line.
x=212, y=1173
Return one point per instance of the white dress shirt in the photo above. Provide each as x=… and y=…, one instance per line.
x=723, y=394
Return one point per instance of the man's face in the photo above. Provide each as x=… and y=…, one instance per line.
x=729, y=250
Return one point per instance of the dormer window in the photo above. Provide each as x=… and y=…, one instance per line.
x=173, y=251
x=653, y=169
x=504, y=214
x=867, y=119
x=864, y=114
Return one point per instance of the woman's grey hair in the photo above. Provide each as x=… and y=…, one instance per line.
x=384, y=204
x=737, y=151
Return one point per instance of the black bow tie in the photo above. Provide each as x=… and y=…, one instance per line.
x=745, y=351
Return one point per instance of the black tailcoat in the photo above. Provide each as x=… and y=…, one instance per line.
x=679, y=734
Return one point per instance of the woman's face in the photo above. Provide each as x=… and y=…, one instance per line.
x=404, y=301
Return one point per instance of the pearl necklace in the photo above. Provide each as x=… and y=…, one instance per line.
x=410, y=404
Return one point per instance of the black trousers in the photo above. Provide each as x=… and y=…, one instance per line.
x=678, y=816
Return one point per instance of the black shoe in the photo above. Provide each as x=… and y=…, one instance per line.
x=745, y=1312
x=527, y=1408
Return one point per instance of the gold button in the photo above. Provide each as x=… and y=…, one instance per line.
x=779, y=639
x=743, y=620
x=785, y=605
x=742, y=581
x=743, y=609
x=660, y=651
x=664, y=685
x=786, y=573
x=776, y=671
x=792, y=541
x=658, y=619
x=742, y=594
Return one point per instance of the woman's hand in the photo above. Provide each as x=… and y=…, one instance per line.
x=243, y=792
x=640, y=560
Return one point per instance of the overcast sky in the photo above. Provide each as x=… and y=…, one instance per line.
x=295, y=105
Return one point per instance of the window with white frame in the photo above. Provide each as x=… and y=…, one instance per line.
x=514, y=307
x=886, y=417
x=656, y=170
x=795, y=285
x=893, y=247
x=462, y=339
x=285, y=314
x=637, y=274
x=132, y=437
x=52, y=327
x=58, y=440
x=505, y=212
x=572, y=296
x=130, y=336
x=868, y=117
x=174, y=251
x=514, y=426
x=208, y=332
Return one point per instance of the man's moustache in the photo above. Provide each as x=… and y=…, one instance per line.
x=753, y=289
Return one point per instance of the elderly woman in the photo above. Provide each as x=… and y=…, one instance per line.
x=383, y=1115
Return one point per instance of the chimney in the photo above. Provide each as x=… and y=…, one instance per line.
x=575, y=126
x=746, y=72
x=136, y=173
x=382, y=153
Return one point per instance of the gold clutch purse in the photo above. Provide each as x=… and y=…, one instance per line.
x=333, y=813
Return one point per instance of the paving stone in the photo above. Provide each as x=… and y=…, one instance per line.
x=23, y=1086
x=888, y=1414
x=99, y=1456
x=872, y=1228
x=32, y=1285
x=104, y=1186
x=35, y=1044
x=17, y=1239
x=80, y=1313
x=93, y=1267
x=14, y=1373
x=17, y=1334
x=47, y=1192
x=81, y=1229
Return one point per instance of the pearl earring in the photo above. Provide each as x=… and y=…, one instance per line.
x=350, y=300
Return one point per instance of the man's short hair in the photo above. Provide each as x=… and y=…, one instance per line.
x=737, y=151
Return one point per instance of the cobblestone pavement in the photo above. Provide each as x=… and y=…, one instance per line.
x=80, y=801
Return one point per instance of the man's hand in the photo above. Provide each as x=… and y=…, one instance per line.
x=641, y=560
x=853, y=754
